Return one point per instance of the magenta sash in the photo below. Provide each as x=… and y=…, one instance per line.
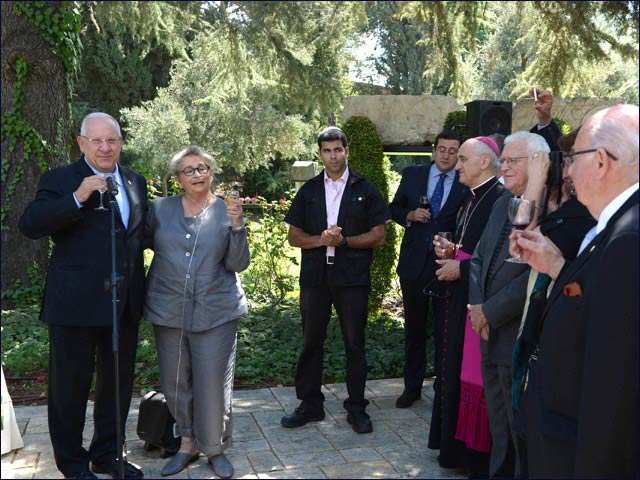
x=473, y=422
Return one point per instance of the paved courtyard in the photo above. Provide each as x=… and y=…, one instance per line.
x=397, y=448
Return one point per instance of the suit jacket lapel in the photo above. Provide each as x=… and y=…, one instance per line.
x=591, y=248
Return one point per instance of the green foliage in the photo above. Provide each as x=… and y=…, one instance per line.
x=128, y=50
x=17, y=131
x=24, y=342
x=26, y=296
x=402, y=60
x=494, y=49
x=269, y=342
x=60, y=28
x=456, y=121
x=565, y=128
x=366, y=158
x=268, y=278
x=257, y=84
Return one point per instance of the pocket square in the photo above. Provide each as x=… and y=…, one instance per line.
x=572, y=290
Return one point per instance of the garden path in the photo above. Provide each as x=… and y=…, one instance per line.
x=397, y=448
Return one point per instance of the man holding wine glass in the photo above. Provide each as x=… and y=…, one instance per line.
x=587, y=364
x=497, y=294
x=458, y=405
x=76, y=306
x=427, y=201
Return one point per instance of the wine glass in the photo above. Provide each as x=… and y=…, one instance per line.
x=448, y=237
x=423, y=202
x=521, y=213
x=230, y=197
x=101, y=207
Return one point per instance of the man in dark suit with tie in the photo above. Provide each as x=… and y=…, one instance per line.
x=337, y=218
x=416, y=266
x=77, y=307
x=586, y=371
x=497, y=294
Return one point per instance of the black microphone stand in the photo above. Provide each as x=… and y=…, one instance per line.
x=113, y=284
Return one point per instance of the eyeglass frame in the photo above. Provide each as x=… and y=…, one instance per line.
x=207, y=168
x=567, y=157
x=442, y=150
x=109, y=141
x=510, y=161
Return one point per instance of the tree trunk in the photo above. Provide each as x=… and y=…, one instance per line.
x=45, y=109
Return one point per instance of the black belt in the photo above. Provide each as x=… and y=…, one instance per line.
x=330, y=260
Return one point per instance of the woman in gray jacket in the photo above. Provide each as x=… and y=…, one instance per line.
x=194, y=300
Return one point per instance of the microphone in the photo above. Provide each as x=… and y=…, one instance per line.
x=112, y=186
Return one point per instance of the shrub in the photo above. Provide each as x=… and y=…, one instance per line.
x=367, y=158
x=456, y=121
x=269, y=277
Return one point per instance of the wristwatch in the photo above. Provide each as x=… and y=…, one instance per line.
x=343, y=242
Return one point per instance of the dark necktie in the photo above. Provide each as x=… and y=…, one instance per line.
x=504, y=234
x=438, y=193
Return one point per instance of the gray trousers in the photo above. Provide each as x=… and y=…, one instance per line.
x=197, y=379
x=497, y=389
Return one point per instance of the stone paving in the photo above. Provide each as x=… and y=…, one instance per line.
x=397, y=448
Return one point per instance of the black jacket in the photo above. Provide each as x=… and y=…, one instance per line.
x=362, y=208
x=80, y=263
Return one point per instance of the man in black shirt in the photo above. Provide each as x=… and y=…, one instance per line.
x=336, y=218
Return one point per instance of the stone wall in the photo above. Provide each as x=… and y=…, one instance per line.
x=417, y=119
x=402, y=119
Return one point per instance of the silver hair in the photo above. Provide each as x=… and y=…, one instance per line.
x=196, y=151
x=83, y=126
x=608, y=132
x=484, y=149
x=535, y=142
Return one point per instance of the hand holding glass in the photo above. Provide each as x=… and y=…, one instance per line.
x=423, y=202
x=230, y=197
x=101, y=191
x=521, y=213
x=445, y=243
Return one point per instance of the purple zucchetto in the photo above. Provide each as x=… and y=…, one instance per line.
x=490, y=142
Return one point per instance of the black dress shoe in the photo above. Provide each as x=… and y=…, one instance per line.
x=300, y=417
x=112, y=468
x=360, y=422
x=85, y=474
x=407, y=398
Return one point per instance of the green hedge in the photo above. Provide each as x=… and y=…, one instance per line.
x=456, y=121
x=367, y=158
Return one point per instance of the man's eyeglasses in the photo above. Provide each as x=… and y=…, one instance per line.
x=98, y=141
x=190, y=171
x=567, y=157
x=451, y=151
x=510, y=161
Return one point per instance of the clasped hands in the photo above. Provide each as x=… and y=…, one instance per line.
x=332, y=236
x=449, y=270
x=479, y=322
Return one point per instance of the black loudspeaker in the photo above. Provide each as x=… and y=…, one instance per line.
x=485, y=117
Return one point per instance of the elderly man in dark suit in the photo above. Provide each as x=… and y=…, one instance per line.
x=497, y=294
x=76, y=305
x=337, y=218
x=438, y=181
x=586, y=371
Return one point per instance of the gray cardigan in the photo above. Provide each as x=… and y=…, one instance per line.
x=197, y=267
